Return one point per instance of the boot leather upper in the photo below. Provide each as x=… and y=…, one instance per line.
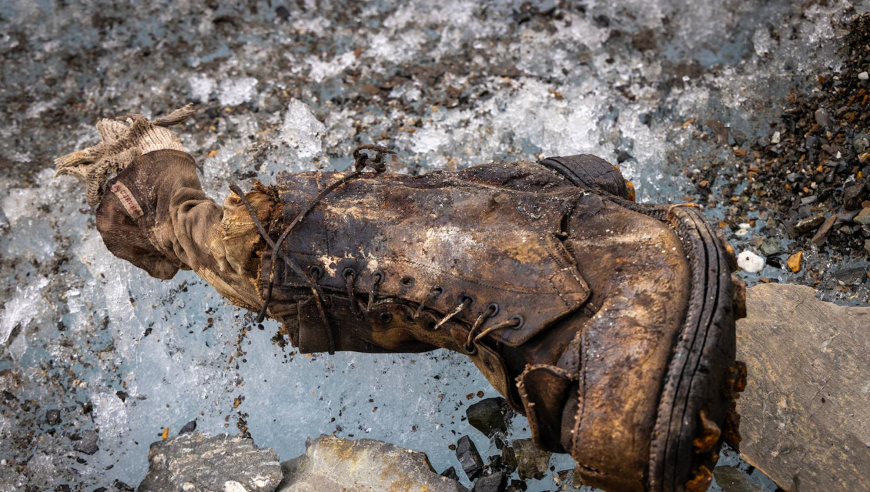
x=434, y=240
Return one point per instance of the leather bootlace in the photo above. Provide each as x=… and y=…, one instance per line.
x=361, y=161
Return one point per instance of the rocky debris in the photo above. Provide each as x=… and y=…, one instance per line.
x=469, y=458
x=198, y=462
x=490, y=415
x=52, y=417
x=731, y=479
x=805, y=410
x=332, y=464
x=88, y=443
x=496, y=482
x=807, y=173
x=531, y=461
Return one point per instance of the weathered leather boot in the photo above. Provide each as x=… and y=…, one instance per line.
x=608, y=323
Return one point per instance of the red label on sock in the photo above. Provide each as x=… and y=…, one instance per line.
x=130, y=204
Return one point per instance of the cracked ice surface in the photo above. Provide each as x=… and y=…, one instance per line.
x=445, y=84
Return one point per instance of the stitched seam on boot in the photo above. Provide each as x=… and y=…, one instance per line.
x=581, y=388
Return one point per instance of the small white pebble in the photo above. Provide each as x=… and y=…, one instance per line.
x=775, y=138
x=3, y=462
x=863, y=76
x=750, y=262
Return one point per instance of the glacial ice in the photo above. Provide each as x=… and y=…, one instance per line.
x=79, y=325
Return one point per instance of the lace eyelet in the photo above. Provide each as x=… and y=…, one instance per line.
x=466, y=299
x=407, y=281
x=494, y=308
x=315, y=271
x=348, y=272
x=519, y=321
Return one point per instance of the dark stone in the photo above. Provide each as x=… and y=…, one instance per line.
x=496, y=463
x=62, y=488
x=122, y=395
x=496, y=482
x=822, y=118
x=188, y=427
x=101, y=489
x=490, y=416
x=531, y=461
x=450, y=473
x=282, y=13
x=623, y=156
x=770, y=247
x=842, y=168
x=52, y=417
x=851, y=276
x=209, y=462
x=855, y=194
x=508, y=457
x=469, y=458
x=123, y=487
x=88, y=443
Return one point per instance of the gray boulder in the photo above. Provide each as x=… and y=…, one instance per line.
x=197, y=462
x=332, y=464
x=806, y=408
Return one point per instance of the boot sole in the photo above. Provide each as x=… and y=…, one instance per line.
x=681, y=455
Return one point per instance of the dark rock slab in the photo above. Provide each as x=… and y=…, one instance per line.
x=851, y=276
x=495, y=482
x=531, y=461
x=490, y=416
x=805, y=410
x=469, y=458
x=196, y=462
x=88, y=443
x=332, y=464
